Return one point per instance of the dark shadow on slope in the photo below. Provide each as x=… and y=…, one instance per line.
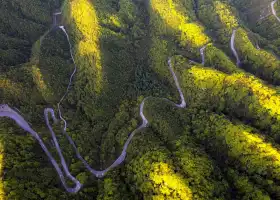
x=262, y=25
x=55, y=63
x=190, y=158
x=231, y=96
x=25, y=163
x=258, y=16
x=118, y=58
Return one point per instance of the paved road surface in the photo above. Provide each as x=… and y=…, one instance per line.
x=233, y=48
x=6, y=111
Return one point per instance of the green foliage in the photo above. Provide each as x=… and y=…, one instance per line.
x=238, y=95
x=245, y=188
x=156, y=179
x=34, y=10
x=260, y=62
x=7, y=42
x=189, y=35
x=223, y=19
x=11, y=57
x=110, y=190
x=219, y=17
x=14, y=25
x=102, y=44
x=238, y=146
x=178, y=23
x=25, y=168
x=200, y=172
x=121, y=50
x=217, y=59
x=267, y=26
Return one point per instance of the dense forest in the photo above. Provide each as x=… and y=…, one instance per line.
x=224, y=144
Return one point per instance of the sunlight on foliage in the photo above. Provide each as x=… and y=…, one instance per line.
x=199, y=170
x=203, y=179
x=223, y=145
x=261, y=62
x=168, y=183
x=41, y=85
x=226, y=16
x=156, y=179
x=267, y=97
x=167, y=9
x=2, y=192
x=115, y=21
x=86, y=42
x=239, y=146
x=191, y=33
x=239, y=94
x=253, y=153
x=10, y=88
x=168, y=19
x=220, y=18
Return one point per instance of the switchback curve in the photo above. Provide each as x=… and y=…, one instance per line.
x=273, y=10
x=6, y=111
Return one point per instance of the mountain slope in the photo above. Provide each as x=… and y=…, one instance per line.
x=174, y=99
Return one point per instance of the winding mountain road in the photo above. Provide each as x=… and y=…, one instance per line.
x=201, y=50
x=54, y=18
x=273, y=10
x=233, y=48
x=6, y=111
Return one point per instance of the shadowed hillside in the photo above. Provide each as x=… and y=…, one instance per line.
x=158, y=99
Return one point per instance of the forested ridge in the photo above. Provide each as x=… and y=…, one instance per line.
x=124, y=106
